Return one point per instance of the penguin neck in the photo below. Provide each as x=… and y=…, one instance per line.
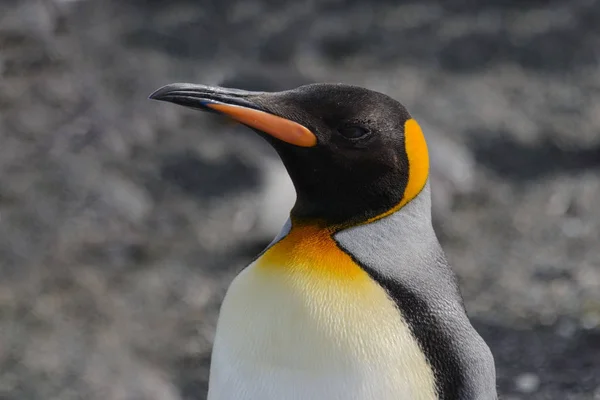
x=401, y=237
x=414, y=215
x=399, y=233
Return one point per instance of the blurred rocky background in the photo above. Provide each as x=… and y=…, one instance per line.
x=123, y=220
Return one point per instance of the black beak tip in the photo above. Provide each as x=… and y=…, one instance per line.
x=183, y=94
x=161, y=93
x=199, y=96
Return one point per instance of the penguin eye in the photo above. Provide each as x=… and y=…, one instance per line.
x=353, y=131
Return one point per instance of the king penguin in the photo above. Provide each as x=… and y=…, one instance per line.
x=354, y=299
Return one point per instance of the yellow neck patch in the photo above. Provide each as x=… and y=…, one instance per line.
x=418, y=166
x=311, y=249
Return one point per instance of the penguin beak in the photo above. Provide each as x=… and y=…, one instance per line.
x=239, y=105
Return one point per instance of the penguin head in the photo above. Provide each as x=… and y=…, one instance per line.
x=353, y=154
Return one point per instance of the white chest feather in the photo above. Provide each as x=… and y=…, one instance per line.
x=303, y=330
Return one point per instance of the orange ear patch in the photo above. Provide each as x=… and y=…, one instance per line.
x=418, y=165
x=418, y=160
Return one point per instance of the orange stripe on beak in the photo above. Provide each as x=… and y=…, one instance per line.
x=283, y=129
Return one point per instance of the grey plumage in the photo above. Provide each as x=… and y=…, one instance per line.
x=404, y=249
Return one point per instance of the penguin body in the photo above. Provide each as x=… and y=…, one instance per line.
x=325, y=330
x=354, y=299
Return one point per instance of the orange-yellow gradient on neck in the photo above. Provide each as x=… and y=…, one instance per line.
x=418, y=165
x=280, y=128
x=311, y=249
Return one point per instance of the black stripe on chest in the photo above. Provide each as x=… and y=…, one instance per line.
x=433, y=339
